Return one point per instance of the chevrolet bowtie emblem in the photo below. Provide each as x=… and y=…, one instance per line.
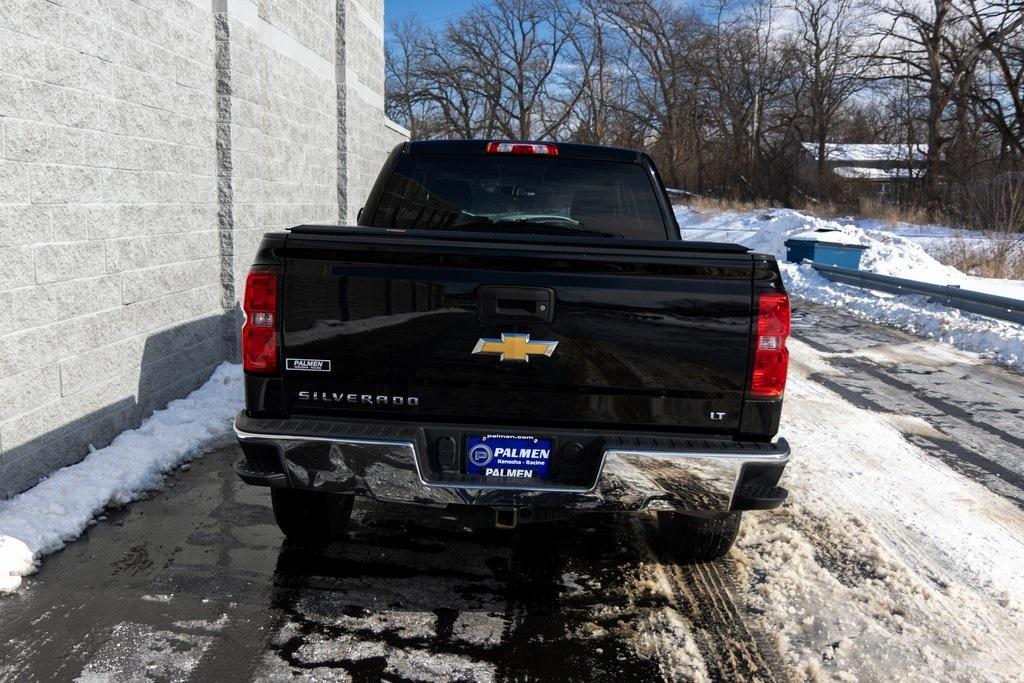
x=515, y=347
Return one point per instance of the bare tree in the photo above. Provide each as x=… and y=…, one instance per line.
x=723, y=98
x=659, y=36
x=999, y=88
x=511, y=49
x=933, y=45
x=829, y=49
x=463, y=89
x=408, y=93
x=592, y=47
x=748, y=93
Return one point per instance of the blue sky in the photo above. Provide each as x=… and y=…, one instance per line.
x=430, y=13
x=434, y=13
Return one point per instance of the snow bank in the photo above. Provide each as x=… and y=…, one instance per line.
x=829, y=235
x=57, y=510
x=887, y=254
x=897, y=252
x=998, y=339
x=884, y=563
x=767, y=231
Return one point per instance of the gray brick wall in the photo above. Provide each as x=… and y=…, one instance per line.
x=283, y=131
x=369, y=135
x=144, y=148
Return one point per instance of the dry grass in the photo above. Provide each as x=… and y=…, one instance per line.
x=725, y=204
x=891, y=214
x=866, y=207
x=825, y=209
x=1002, y=256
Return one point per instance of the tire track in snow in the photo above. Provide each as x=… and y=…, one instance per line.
x=970, y=410
x=884, y=562
x=733, y=650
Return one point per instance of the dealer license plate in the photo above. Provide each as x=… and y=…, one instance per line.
x=502, y=455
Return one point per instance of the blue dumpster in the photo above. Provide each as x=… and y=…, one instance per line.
x=822, y=246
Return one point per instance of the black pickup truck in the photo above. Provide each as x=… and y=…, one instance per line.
x=515, y=331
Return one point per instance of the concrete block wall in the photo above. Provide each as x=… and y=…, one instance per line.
x=283, y=119
x=109, y=297
x=369, y=135
x=145, y=145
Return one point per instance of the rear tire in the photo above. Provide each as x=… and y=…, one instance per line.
x=697, y=538
x=311, y=516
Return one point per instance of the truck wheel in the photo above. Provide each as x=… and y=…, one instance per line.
x=697, y=538
x=311, y=515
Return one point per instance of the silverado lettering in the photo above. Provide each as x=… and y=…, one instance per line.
x=367, y=399
x=472, y=262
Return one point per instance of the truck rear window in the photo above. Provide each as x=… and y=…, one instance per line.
x=531, y=195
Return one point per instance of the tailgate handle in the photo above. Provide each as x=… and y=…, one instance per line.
x=516, y=304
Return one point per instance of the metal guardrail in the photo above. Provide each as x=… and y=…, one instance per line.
x=990, y=305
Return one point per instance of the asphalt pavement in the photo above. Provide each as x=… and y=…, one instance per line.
x=197, y=583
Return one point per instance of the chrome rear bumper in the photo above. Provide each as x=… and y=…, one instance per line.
x=710, y=477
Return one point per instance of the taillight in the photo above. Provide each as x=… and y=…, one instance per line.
x=259, y=333
x=771, y=357
x=534, y=148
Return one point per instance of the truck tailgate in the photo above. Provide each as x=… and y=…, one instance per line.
x=649, y=335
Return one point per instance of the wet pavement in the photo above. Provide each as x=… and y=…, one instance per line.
x=197, y=583
x=962, y=410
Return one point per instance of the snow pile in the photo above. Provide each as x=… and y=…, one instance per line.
x=1000, y=340
x=767, y=230
x=827, y=235
x=924, y=234
x=16, y=560
x=57, y=510
x=884, y=562
x=889, y=254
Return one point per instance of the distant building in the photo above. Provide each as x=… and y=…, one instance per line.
x=882, y=167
